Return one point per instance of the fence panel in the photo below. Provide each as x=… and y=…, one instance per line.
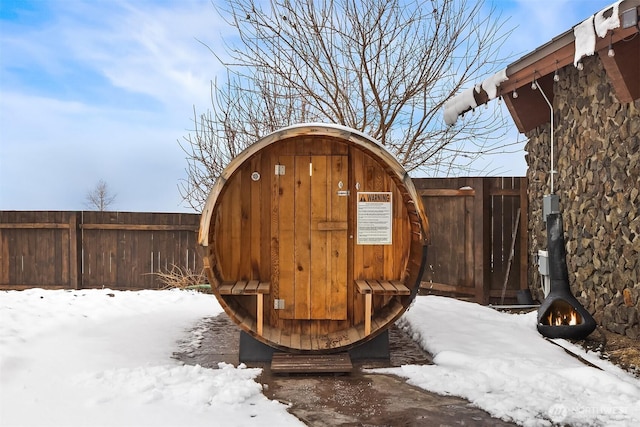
x=119, y=250
x=35, y=249
x=472, y=222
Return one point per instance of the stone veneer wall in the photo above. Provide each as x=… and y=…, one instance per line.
x=597, y=158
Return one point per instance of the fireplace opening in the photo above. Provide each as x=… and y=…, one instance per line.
x=561, y=313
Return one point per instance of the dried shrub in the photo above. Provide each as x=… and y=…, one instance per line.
x=184, y=278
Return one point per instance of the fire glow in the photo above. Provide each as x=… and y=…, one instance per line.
x=559, y=319
x=562, y=314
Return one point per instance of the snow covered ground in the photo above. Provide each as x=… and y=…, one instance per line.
x=102, y=357
x=500, y=363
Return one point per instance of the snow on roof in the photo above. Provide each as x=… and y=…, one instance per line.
x=491, y=84
x=466, y=100
x=585, y=32
x=585, y=40
x=602, y=24
x=458, y=105
x=585, y=43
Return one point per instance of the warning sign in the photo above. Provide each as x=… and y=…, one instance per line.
x=374, y=218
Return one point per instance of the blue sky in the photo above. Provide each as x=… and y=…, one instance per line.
x=105, y=89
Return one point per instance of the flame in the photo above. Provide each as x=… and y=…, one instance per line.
x=558, y=318
x=573, y=318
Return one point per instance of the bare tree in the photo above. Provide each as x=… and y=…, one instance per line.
x=384, y=67
x=100, y=198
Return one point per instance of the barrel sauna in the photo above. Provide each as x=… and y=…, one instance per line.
x=315, y=239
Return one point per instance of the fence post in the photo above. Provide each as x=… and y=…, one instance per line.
x=482, y=240
x=73, y=251
x=524, y=233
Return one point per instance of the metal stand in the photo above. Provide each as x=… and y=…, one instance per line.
x=254, y=351
x=375, y=349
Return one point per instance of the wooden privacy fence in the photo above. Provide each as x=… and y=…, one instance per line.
x=472, y=222
x=73, y=250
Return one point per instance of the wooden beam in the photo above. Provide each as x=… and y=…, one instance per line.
x=615, y=77
x=529, y=110
x=137, y=227
x=514, y=192
x=443, y=287
x=546, y=65
x=555, y=55
x=332, y=225
x=446, y=192
x=623, y=69
x=35, y=225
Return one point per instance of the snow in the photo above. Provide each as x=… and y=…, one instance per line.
x=585, y=40
x=602, y=24
x=466, y=100
x=500, y=363
x=585, y=44
x=459, y=104
x=103, y=358
x=490, y=85
x=585, y=32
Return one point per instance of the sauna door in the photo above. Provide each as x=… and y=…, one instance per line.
x=312, y=196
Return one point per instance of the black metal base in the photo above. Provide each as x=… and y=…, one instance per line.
x=374, y=349
x=254, y=351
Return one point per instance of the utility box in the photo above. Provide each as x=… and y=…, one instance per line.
x=543, y=263
x=550, y=205
x=543, y=269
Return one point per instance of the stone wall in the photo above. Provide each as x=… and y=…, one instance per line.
x=597, y=158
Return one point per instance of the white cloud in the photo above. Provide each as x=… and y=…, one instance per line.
x=95, y=90
x=60, y=136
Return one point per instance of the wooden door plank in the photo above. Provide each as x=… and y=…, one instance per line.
x=357, y=308
x=252, y=213
x=236, y=222
x=320, y=261
x=271, y=252
x=339, y=181
x=302, y=238
x=286, y=224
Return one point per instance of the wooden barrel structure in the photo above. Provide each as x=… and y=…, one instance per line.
x=315, y=239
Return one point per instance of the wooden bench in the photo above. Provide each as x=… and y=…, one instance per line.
x=368, y=288
x=249, y=287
